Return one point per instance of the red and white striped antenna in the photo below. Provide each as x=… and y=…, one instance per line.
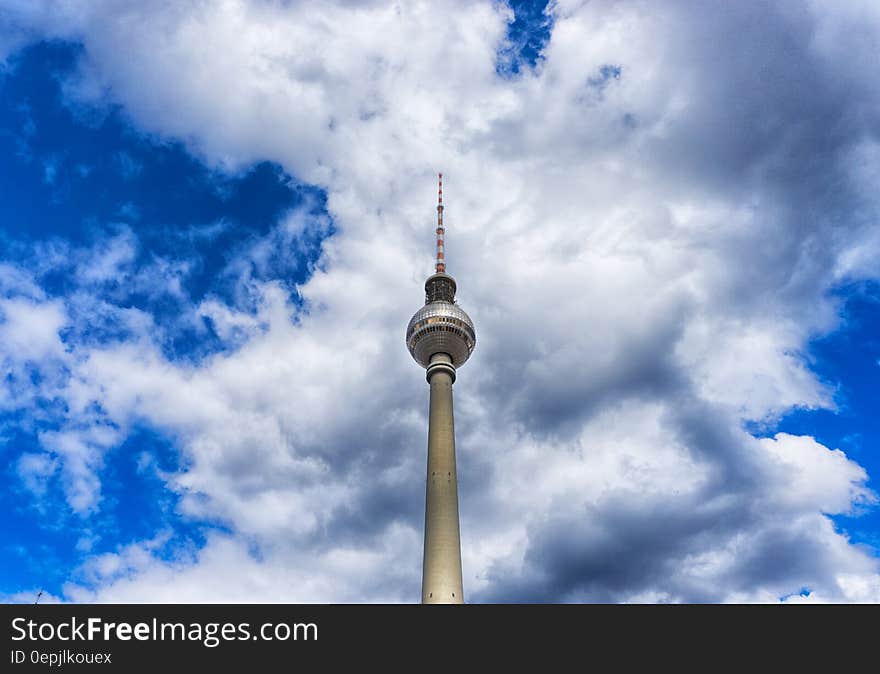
x=441, y=261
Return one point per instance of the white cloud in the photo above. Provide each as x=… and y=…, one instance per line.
x=644, y=258
x=34, y=469
x=29, y=330
x=81, y=451
x=814, y=476
x=109, y=260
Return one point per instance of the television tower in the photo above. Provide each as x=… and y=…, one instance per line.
x=440, y=337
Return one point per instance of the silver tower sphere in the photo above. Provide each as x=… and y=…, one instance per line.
x=441, y=326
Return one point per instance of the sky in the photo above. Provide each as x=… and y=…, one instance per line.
x=217, y=218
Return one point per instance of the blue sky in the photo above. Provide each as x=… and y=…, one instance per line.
x=848, y=360
x=79, y=176
x=76, y=176
x=213, y=231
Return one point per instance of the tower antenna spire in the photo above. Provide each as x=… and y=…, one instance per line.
x=440, y=266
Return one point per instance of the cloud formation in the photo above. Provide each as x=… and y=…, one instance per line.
x=644, y=227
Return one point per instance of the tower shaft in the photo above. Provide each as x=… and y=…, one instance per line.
x=441, y=571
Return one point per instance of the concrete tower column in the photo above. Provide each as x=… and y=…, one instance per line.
x=441, y=570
